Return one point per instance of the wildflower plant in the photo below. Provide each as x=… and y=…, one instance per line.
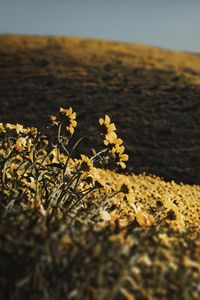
x=43, y=174
x=112, y=142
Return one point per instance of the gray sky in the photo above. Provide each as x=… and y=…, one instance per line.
x=173, y=24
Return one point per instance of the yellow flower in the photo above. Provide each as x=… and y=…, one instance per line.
x=107, y=127
x=85, y=166
x=31, y=131
x=68, y=112
x=120, y=156
x=99, y=183
x=17, y=127
x=68, y=117
x=10, y=126
x=111, y=140
x=125, y=189
x=173, y=214
x=21, y=144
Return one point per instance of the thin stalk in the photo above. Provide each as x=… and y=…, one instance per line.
x=98, y=154
x=74, y=147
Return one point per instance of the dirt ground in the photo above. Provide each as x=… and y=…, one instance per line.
x=152, y=95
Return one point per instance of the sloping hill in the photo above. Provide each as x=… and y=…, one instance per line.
x=151, y=94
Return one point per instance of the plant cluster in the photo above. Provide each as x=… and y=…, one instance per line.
x=43, y=174
x=67, y=233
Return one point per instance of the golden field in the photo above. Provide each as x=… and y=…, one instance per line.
x=81, y=220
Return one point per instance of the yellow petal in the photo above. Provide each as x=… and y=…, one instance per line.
x=62, y=110
x=69, y=111
x=124, y=157
x=107, y=119
x=101, y=121
x=73, y=123
x=73, y=116
x=119, y=149
x=122, y=164
x=112, y=127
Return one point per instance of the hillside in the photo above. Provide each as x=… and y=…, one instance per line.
x=63, y=216
x=151, y=94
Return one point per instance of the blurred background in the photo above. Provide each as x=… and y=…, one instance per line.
x=172, y=24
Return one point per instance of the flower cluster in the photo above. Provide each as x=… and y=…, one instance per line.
x=107, y=128
x=112, y=142
x=18, y=129
x=15, y=137
x=66, y=117
x=42, y=171
x=85, y=166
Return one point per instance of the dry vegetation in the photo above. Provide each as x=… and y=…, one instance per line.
x=71, y=230
x=71, y=227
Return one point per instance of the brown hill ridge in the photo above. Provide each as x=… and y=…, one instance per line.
x=151, y=94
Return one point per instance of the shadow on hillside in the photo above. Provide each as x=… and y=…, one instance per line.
x=156, y=112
